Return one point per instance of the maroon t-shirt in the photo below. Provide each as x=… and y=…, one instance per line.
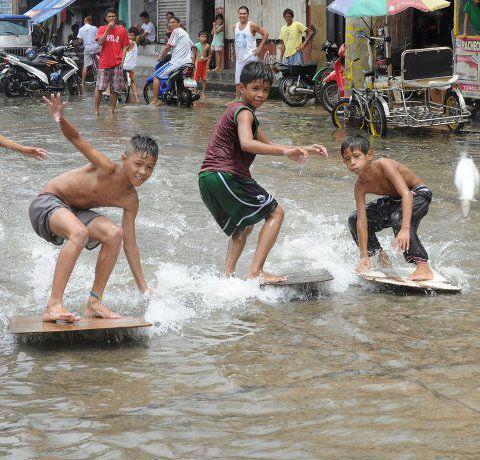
x=224, y=152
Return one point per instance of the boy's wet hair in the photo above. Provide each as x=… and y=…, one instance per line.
x=256, y=70
x=146, y=146
x=202, y=32
x=288, y=11
x=144, y=14
x=112, y=10
x=243, y=7
x=355, y=142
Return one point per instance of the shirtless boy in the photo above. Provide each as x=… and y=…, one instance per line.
x=62, y=211
x=31, y=152
x=235, y=200
x=404, y=202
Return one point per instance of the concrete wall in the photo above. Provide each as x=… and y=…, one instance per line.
x=318, y=17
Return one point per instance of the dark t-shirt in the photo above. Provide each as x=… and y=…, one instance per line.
x=224, y=152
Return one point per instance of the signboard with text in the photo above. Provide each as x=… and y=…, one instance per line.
x=467, y=57
x=5, y=6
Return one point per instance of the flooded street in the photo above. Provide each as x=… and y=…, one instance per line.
x=231, y=370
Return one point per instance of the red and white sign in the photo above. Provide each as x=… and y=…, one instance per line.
x=467, y=58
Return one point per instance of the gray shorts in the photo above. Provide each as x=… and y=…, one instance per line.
x=44, y=205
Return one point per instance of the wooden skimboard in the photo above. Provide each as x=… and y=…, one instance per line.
x=35, y=325
x=398, y=279
x=303, y=279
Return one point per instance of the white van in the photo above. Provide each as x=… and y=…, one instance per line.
x=15, y=33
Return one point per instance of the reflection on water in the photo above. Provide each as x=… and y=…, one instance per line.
x=230, y=369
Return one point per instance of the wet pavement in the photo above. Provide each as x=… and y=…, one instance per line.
x=231, y=370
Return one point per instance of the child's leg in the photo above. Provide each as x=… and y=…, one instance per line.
x=266, y=240
x=204, y=86
x=217, y=60
x=97, y=99
x=64, y=224
x=111, y=236
x=156, y=91
x=220, y=60
x=416, y=252
x=235, y=249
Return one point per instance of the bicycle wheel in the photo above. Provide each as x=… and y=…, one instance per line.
x=378, y=119
x=329, y=95
x=347, y=114
x=452, y=108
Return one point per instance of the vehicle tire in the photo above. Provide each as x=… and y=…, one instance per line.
x=329, y=95
x=347, y=114
x=378, y=119
x=452, y=107
x=184, y=98
x=11, y=87
x=74, y=85
x=292, y=100
x=148, y=92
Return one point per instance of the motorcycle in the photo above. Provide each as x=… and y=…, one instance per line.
x=49, y=72
x=177, y=89
x=333, y=86
x=299, y=83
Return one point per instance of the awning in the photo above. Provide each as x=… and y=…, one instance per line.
x=47, y=9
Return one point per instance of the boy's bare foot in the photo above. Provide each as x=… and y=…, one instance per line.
x=155, y=103
x=383, y=260
x=95, y=309
x=422, y=273
x=265, y=277
x=58, y=313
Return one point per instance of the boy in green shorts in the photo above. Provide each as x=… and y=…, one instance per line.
x=235, y=200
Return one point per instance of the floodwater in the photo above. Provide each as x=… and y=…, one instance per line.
x=230, y=370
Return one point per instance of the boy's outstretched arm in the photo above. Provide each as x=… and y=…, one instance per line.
x=313, y=149
x=362, y=228
x=130, y=246
x=98, y=159
x=252, y=145
x=402, y=239
x=32, y=152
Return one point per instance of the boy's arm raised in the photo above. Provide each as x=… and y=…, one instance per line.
x=402, y=240
x=130, y=246
x=99, y=160
x=362, y=228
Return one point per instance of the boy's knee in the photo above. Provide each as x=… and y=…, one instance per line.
x=79, y=235
x=114, y=235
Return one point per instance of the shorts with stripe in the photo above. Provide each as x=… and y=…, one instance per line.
x=110, y=78
x=235, y=202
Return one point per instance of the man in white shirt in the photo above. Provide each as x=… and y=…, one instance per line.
x=148, y=34
x=86, y=35
x=181, y=48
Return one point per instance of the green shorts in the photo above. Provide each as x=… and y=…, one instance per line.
x=234, y=202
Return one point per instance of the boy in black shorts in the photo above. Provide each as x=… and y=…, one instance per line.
x=235, y=200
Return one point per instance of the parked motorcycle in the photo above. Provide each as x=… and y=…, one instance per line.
x=331, y=55
x=49, y=72
x=177, y=89
x=333, y=86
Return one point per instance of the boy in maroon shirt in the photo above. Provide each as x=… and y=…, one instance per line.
x=114, y=41
x=235, y=200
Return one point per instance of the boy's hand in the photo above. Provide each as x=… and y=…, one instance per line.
x=363, y=265
x=299, y=154
x=55, y=106
x=111, y=25
x=402, y=241
x=34, y=152
x=316, y=149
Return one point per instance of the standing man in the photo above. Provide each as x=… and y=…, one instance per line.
x=291, y=36
x=87, y=35
x=148, y=34
x=181, y=48
x=245, y=43
x=114, y=41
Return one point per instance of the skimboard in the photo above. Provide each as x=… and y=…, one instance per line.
x=35, y=325
x=302, y=279
x=398, y=280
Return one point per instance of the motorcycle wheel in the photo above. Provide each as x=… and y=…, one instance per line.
x=74, y=85
x=184, y=98
x=148, y=92
x=347, y=114
x=11, y=87
x=292, y=100
x=329, y=95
